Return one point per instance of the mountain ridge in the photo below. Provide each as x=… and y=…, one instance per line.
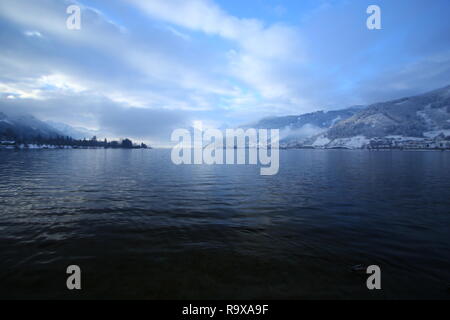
x=424, y=116
x=24, y=127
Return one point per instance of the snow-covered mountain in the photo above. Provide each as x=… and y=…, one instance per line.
x=74, y=132
x=25, y=127
x=412, y=117
x=297, y=129
x=418, y=119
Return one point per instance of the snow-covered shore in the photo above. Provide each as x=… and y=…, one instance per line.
x=11, y=145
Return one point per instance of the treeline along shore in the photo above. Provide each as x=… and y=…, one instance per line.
x=67, y=143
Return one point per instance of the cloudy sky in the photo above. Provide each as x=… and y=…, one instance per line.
x=141, y=68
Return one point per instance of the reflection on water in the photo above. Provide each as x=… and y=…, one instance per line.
x=141, y=227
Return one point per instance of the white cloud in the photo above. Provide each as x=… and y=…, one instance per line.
x=178, y=33
x=33, y=34
x=260, y=49
x=201, y=15
x=158, y=64
x=61, y=82
x=172, y=80
x=20, y=90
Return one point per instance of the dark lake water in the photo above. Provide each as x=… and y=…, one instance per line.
x=141, y=227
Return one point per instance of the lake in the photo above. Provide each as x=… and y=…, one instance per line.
x=141, y=227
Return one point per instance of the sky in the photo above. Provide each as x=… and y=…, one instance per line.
x=142, y=68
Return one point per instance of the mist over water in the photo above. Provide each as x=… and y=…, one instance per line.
x=141, y=227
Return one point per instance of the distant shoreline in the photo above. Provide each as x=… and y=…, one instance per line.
x=49, y=147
